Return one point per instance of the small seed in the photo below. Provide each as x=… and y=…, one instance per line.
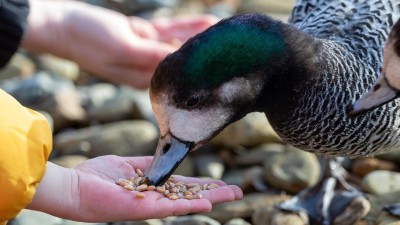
x=173, y=197
x=160, y=189
x=142, y=187
x=166, y=192
x=189, y=197
x=139, y=172
x=151, y=188
x=198, y=196
x=140, y=195
x=212, y=186
x=129, y=187
x=171, y=178
x=187, y=193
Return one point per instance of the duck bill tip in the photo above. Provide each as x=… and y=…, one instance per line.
x=169, y=154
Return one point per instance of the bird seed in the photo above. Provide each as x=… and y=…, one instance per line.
x=170, y=189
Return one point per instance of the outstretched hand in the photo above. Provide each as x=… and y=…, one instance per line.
x=107, y=43
x=92, y=195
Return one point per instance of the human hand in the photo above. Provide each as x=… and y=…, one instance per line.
x=107, y=43
x=91, y=195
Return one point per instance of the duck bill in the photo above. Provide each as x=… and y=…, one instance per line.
x=169, y=154
x=380, y=93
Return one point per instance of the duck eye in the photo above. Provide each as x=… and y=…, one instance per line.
x=192, y=101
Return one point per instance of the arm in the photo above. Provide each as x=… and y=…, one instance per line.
x=119, y=48
x=89, y=193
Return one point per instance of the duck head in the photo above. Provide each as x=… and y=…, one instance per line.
x=387, y=86
x=214, y=79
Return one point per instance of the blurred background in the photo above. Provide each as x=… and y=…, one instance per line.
x=92, y=117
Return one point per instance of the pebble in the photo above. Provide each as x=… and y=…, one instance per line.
x=269, y=215
x=123, y=138
x=209, y=165
x=69, y=161
x=237, y=221
x=258, y=131
x=245, y=207
x=58, y=97
x=381, y=182
x=291, y=170
x=258, y=154
x=191, y=220
x=20, y=65
x=58, y=66
x=38, y=218
x=363, y=166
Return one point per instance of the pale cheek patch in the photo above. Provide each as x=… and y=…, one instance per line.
x=196, y=126
x=161, y=115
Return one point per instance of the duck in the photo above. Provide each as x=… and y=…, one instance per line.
x=387, y=86
x=303, y=75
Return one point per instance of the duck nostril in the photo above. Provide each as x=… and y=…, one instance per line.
x=376, y=87
x=166, y=148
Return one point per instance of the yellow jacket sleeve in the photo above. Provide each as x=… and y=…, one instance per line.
x=25, y=145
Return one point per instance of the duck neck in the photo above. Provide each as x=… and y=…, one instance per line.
x=289, y=75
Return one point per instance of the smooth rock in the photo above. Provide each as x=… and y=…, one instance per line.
x=245, y=207
x=123, y=138
x=69, y=161
x=19, y=66
x=234, y=176
x=291, y=170
x=43, y=92
x=143, y=222
x=275, y=8
x=385, y=218
x=31, y=217
x=363, y=166
x=269, y=215
x=105, y=102
x=381, y=182
x=58, y=66
x=186, y=168
x=392, y=156
x=237, y=221
x=258, y=154
x=257, y=131
x=252, y=179
x=379, y=201
x=353, y=213
x=209, y=165
x=191, y=220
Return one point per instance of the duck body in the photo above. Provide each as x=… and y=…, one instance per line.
x=302, y=75
x=346, y=60
x=387, y=86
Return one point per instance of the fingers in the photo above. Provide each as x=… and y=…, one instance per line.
x=143, y=28
x=182, y=28
x=148, y=53
x=223, y=194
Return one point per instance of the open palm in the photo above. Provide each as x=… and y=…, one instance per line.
x=100, y=199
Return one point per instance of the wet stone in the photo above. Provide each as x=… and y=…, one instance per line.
x=363, y=166
x=123, y=138
x=381, y=182
x=258, y=131
x=19, y=66
x=209, y=165
x=69, y=161
x=291, y=170
x=191, y=220
x=237, y=221
x=258, y=154
x=245, y=207
x=269, y=215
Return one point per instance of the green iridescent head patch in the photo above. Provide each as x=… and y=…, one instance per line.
x=228, y=50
